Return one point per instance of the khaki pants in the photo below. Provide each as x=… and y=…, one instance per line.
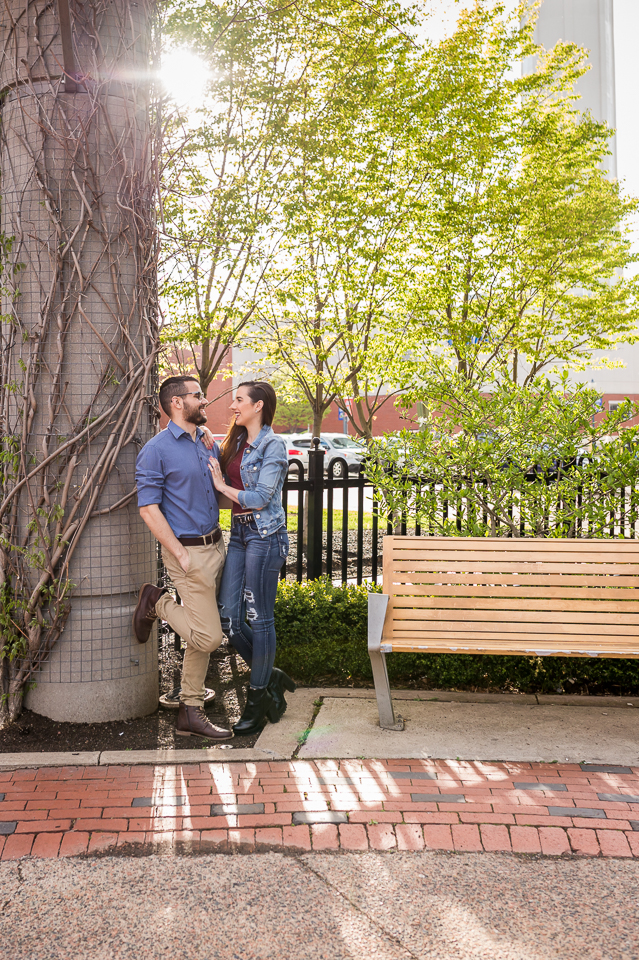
x=197, y=621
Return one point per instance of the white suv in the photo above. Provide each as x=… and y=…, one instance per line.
x=347, y=452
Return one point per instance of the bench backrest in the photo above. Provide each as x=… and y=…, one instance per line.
x=492, y=595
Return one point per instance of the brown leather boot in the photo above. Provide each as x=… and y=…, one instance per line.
x=145, y=614
x=193, y=722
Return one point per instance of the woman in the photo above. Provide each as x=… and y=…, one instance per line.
x=251, y=472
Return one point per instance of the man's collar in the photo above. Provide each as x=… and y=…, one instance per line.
x=177, y=432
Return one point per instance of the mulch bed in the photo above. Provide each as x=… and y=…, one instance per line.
x=227, y=675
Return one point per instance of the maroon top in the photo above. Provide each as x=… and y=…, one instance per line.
x=234, y=475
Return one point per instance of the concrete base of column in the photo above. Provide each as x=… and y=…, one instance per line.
x=96, y=702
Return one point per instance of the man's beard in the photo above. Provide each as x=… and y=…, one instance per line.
x=196, y=416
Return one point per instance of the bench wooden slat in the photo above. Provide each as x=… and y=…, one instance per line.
x=504, y=545
x=518, y=588
x=420, y=564
x=498, y=559
x=525, y=625
x=535, y=620
x=401, y=602
x=529, y=579
x=557, y=648
x=456, y=634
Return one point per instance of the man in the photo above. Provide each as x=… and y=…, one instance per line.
x=179, y=505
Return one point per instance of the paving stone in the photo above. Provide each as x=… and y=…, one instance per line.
x=466, y=837
x=269, y=835
x=577, y=812
x=102, y=841
x=352, y=836
x=324, y=836
x=630, y=837
x=622, y=797
x=381, y=836
x=414, y=775
x=554, y=841
x=525, y=839
x=7, y=827
x=319, y=816
x=226, y=809
x=613, y=843
x=18, y=845
x=1, y=797
x=435, y=837
x=150, y=802
x=411, y=837
x=634, y=824
x=242, y=838
x=298, y=837
x=438, y=798
x=584, y=842
x=74, y=843
x=46, y=845
x=337, y=780
x=495, y=837
x=541, y=786
x=604, y=768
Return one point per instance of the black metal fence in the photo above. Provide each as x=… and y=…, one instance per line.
x=345, y=548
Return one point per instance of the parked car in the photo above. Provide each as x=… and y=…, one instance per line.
x=345, y=452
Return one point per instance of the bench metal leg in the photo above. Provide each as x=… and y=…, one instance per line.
x=377, y=604
x=387, y=719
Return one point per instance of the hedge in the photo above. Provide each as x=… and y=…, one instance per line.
x=321, y=637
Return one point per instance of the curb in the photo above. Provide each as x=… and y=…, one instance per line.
x=280, y=741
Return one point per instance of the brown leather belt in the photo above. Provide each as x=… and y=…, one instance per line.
x=201, y=541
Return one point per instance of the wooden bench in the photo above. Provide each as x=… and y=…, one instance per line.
x=551, y=598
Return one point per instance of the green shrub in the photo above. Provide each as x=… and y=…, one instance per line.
x=321, y=636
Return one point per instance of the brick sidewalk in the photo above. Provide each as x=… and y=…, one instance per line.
x=531, y=808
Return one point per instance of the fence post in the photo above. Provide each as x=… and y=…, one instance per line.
x=315, y=510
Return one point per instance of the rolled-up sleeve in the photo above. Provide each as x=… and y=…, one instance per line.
x=149, y=476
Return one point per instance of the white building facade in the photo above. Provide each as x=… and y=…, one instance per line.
x=591, y=24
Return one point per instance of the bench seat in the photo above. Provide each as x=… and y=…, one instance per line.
x=544, y=597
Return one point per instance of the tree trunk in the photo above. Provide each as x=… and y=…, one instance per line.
x=78, y=348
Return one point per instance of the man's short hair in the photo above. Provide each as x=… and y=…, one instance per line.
x=168, y=390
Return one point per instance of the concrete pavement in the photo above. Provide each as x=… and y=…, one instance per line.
x=317, y=907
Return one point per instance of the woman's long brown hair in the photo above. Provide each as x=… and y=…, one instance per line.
x=257, y=390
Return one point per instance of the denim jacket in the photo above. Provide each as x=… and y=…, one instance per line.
x=263, y=469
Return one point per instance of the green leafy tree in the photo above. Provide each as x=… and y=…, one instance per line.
x=221, y=184
x=523, y=461
x=330, y=322
x=521, y=249
x=244, y=189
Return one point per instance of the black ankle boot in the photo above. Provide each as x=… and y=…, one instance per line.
x=279, y=682
x=259, y=706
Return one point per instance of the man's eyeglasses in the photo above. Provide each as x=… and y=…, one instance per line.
x=192, y=393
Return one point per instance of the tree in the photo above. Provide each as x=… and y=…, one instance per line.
x=78, y=347
x=523, y=461
x=229, y=180
x=330, y=322
x=522, y=247
x=220, y=183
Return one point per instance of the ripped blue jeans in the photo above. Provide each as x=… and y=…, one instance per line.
x=247, y=593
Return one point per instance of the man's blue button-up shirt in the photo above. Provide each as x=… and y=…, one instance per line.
x=172, y=471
